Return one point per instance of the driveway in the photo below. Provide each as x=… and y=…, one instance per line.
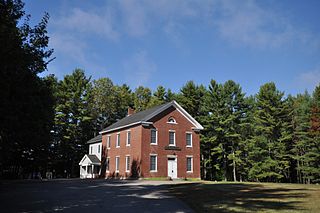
x=92, y=196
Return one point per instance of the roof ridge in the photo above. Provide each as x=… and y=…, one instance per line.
x=136, y=117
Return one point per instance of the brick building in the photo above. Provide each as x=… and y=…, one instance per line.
x=162, y=141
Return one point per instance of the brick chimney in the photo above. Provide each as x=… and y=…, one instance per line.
x=130, y=111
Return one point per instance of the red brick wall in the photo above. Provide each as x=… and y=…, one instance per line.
x=182, y=126
x=134, y=150
x=140, y=140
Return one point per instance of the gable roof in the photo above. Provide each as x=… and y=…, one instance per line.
x=96, y=139
x=146, y=115
x=93, y=160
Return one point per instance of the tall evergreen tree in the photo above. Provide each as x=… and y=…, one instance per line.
x=142, y=98
x=266, y=150
x=72, y=120
x=225, y=110
x=158, y=97
x=301, y=134
x=191, y=98
x=312, y=166
x=103, y=103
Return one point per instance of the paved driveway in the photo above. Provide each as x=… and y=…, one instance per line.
x=89, y=196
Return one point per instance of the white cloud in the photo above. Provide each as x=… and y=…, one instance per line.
x=89, y=22
x=68, y=45
x=140, y=17
x=247, y=23
x=139, y=69
x=71, y=50
x=310, y=79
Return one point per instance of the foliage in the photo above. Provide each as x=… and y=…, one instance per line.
x=26, y=99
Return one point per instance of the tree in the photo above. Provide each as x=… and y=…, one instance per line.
x=158, y=97
x=103, y=103
x=142, y=98
x=124, y=99
x=72, y=121
x=26, y=101
x=301, y=135
x=312, y=158
x=225, y=110
x=266, y=150
x=169, y=96
x=191, y=97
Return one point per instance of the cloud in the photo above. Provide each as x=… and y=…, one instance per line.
x=310, y=79
x=247, y=23
x=71, y=50
x=68, y=45
x=140, y=17
x=89, y=22
x=139, y=69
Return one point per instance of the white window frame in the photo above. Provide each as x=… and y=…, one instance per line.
x=128, y=169
x=156, y=169
x=108, y=162
x=174, y=138
x=170, y=122
x=190, y=139
x=189, y=156
x=108, y=141
x=156, y=143
x=117, y=164
x=128, y=144
x=99, y=149
x=118, y=140
x=91, y=149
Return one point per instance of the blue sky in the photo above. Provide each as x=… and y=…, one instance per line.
x=168, y=42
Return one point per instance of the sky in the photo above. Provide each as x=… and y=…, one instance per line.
x=169, y=42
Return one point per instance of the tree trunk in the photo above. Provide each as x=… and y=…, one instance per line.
x=234, y=167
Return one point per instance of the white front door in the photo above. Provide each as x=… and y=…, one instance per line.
x=172, y=167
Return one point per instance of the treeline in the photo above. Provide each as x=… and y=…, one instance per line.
x=264, y=137
x=45, y=122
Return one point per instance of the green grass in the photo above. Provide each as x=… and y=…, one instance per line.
x=208, y=196
x=156, y=178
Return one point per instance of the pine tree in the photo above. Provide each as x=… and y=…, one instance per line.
x=312, y=166
x=72, y=120
x=301, y=134
x=103, y=104
x=158, y=97
x=142, y=98
x=266, y=149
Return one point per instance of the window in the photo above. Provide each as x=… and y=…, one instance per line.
x=99, y=148
x=108, y=141
x=189, y=139
x=153, y=163
x=171, y=120
x=90, y=149
x=127, y=163
x=189, y=164
x=117, y=163
x=154, y=136
x=107, y=163
x=118, y=140
x=172, y=138
x=128, y=138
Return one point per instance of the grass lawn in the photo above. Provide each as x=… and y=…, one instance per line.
x=208, y=196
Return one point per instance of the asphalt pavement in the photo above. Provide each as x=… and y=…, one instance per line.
x=75, y=195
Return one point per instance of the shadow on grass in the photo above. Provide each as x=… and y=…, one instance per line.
x=233, y=197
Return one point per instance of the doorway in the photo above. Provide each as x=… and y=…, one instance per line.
x=172, y=167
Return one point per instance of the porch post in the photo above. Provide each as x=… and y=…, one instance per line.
x=92, y=167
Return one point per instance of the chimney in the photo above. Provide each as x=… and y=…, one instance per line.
x=130, y=111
